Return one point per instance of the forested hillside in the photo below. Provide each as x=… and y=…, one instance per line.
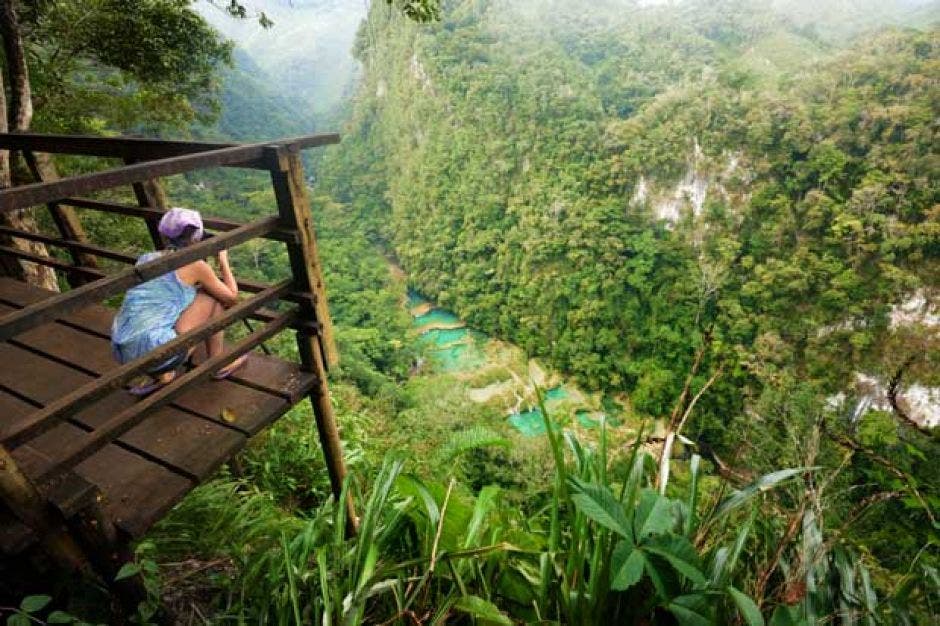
x=713, y=197
x=252, y=110
x=618, y=196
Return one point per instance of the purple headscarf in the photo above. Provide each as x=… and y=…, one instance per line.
x=175, y=221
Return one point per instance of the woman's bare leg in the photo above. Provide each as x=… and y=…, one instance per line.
x=204, y=308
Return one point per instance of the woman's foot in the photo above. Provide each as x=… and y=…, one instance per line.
x=227, y=371
x=148, y=386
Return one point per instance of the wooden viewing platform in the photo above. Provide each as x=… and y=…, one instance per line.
x=86, y=467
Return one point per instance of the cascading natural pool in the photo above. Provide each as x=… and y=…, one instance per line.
x=455, y=348
x=436, y=317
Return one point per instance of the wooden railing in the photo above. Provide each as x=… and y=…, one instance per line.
x=290, y=223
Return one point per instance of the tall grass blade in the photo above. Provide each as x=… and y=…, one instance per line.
x=761, y=485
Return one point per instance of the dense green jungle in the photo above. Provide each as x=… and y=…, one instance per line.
x=697, y=241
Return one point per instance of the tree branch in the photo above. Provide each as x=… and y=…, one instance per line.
x=893, y=386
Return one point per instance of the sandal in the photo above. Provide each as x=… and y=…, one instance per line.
x=145, y=389
x=231, y=368
x=153, y=382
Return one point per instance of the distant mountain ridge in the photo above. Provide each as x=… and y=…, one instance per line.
x=306, y=53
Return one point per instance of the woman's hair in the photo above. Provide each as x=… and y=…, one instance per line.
x=188, y=237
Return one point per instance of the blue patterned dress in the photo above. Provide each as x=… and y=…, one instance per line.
x=148, y=316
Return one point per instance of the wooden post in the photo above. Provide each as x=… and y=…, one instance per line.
x=25, y=501
x=318, y=351
x=65, y=218
x=109, y=552
x=150, y=194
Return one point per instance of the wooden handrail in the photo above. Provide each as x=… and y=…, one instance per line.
x=150, y=213
x=251, y=286
x=25, y=196
x=133, y=415
x=70, y=244
x=63, y=266
x=63, y=304
x=137, y=148
x=49, y=416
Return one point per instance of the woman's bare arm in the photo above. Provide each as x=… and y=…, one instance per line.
x=225, y=290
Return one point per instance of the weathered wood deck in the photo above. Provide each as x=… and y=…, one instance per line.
x=152, y=466
x=85, y=467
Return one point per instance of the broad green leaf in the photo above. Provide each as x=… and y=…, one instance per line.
x=654, y=514
x=600, y=505
x=482, y=610
x=652, y=570
x=59, y=617
x=686, y=568
x=31, y=604
x=687, y=617
x=127, y=570
x=626, y=566
x=747, y=607
x=372, y=555
x=18, y=619
x=514, y=585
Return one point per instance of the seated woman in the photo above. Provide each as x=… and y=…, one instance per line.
x=156, y=311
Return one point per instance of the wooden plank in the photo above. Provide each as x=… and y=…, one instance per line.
x=277, y=380
x=39, y=455
x=199, y=447
x=136, y=492
x=134, y=147
x=92, y=354
x=94, y=318
x=92, y=293
x=273, y=375
x=14, y=413
x=119, y=424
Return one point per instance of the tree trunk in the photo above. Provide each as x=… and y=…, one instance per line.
x=20, y=113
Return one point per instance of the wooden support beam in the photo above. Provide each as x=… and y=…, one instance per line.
x=64, y=217
x=294, y=208
x=51, y=415
x=150, y=195
x=62, y=304
x=316, y=352
x=24, y=500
